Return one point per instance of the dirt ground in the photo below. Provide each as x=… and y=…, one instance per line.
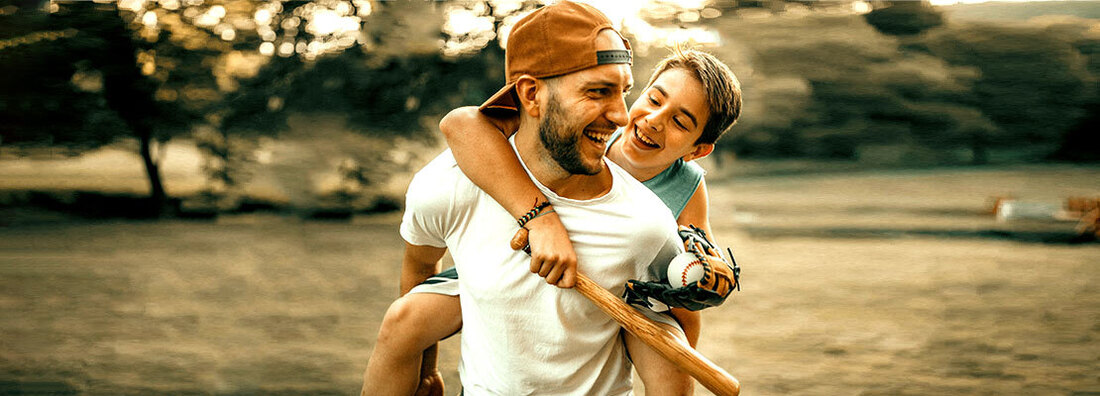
x=875, y=283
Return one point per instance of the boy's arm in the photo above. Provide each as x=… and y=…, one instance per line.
x=696, y=212
x=480, y=146
x=719, y=279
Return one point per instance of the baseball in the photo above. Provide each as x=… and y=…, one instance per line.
x=684, y=269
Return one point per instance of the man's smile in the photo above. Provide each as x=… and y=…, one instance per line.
x=598, y=137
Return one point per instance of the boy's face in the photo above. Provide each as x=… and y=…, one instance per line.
x=666, y=120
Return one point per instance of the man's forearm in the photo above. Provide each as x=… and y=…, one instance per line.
x=420, y=263
x=410, y=277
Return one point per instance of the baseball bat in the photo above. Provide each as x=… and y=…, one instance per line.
x=673, y=348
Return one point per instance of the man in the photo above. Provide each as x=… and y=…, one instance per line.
x=568, y=71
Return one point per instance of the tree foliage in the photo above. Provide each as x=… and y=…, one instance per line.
x=232, y=69
x=904, y=18
x=831, y=86
x=1034, y=80
x=820, y=78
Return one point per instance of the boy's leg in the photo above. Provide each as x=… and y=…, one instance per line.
x=412, y=324
x=690, y=321
x=659, y=375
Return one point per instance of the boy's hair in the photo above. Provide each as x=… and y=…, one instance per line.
x=722, y=88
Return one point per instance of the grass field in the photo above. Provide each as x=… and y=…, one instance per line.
x=877, y=283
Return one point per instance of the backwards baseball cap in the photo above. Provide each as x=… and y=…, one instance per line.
x=551, y=41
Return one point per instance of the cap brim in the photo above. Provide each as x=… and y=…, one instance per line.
x=503, y=100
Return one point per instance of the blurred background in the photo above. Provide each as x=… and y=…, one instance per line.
x=202, y=196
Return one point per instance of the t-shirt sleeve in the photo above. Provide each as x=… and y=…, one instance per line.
x=428, y=205
x=657, y=271
x=672, y=246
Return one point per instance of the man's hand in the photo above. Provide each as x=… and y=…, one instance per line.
x=552, y=254
x=719, y=278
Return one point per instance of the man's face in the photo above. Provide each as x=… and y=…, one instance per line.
x=582, y=109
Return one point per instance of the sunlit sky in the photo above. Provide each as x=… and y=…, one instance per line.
x=335, y=25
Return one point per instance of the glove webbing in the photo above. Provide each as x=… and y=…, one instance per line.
x=702, y=256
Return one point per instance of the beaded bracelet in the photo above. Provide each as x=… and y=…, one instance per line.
x=533, y=213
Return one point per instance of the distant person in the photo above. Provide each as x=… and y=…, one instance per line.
x=689, y=102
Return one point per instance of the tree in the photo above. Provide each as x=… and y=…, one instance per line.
x=826, y=86
x=72, y=82
x=96, y=73
x=904, y=18
x=1034, y=82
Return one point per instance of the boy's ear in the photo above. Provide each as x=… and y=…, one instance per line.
x=527, y=89
x=701, y=150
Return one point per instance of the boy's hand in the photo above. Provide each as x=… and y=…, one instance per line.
x=718, y=275
x=552, y=254
x=690, y=297
x=719, y=278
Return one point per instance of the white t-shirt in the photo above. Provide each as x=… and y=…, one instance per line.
x=521, y=335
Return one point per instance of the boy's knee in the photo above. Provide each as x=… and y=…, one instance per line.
x=396, y=324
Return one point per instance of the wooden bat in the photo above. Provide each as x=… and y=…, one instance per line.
x=673, y=348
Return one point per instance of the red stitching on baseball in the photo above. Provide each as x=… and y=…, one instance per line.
x=684, y=273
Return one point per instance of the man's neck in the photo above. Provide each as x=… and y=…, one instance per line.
x=547, y=171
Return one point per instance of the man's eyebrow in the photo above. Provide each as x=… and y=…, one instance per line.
x=600, y=83
x=606, y=83
x=682, y=108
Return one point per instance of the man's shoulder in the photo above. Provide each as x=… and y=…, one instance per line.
x=440, y=166
x=440, y=178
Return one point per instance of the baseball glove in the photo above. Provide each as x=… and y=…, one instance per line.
x=719, y=278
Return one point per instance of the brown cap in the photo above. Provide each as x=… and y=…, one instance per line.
x=551, y=41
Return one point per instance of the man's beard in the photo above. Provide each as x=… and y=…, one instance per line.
x=561, y=145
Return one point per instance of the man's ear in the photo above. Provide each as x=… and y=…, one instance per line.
x=701, y=150
x=527, y=89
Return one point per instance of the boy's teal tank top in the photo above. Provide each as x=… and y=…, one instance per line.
x=676, y=184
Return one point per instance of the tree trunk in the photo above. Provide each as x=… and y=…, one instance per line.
x=157, y=197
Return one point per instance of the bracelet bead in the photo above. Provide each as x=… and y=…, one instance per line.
x=533, y=213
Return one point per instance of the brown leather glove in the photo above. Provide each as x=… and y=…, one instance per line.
x=719, y=278
x=718, y=275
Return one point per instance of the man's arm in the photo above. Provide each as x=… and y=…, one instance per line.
x=420, y=262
